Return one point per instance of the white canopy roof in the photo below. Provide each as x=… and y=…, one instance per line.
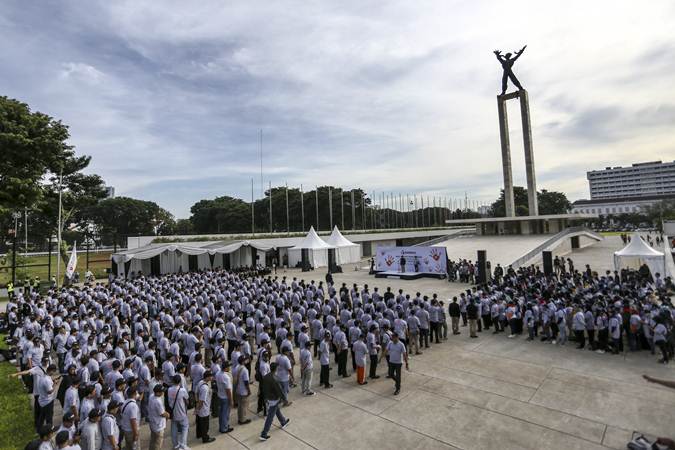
x=638, y=252
x=312, y=242
x=638, y=247
x=156, y=249
x=336, y=239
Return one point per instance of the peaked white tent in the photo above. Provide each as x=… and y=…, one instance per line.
x=345, y=250
x=316, y=247
x=638, y=252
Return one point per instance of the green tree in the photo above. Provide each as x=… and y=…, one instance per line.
x=124, y=216
x=550, y=202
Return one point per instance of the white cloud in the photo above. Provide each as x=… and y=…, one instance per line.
x=395, y=96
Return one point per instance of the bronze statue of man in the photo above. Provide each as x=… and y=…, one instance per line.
x=507, y=63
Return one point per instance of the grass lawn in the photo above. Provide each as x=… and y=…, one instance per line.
x=16, y=415
x=98, y=263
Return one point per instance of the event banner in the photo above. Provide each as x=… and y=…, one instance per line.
x=417, y=259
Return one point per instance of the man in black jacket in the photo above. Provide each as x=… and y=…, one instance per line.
x=273, y=394
x=472, y=314
x=454, y=313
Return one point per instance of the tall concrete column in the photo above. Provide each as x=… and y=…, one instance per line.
x=532, y=203
x=506, y=155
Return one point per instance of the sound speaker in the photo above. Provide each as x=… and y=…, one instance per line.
x=548, y=262
x=482, y=267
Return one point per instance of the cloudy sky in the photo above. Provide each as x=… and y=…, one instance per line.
x=169, y=96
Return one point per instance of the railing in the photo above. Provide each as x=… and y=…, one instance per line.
x=438, y=240
x=568, y=232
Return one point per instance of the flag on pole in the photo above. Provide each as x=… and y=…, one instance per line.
x=72, y=262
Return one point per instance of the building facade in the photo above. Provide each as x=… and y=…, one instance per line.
x=639, y=180
x=615, y=206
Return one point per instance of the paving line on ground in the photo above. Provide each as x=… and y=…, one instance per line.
x=527, y=421
x=389, y=420
x=507, y=398
x=548, y=372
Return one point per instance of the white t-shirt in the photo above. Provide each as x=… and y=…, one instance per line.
x=283, y=368
x=178, y=397
x=204, y=395
x=223, y=382
x=155, y=413
x=242, y=379
x=396, y=350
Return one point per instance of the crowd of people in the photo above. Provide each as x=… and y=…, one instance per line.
x=151, y=349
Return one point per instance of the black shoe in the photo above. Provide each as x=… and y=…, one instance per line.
x=328, y=386
x=375, y=377
x=264, y=437
x=396, y=392
x=207, y=440
x=285, y=424
x=229, y=430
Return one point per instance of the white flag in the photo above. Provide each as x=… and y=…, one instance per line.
x=72, y=262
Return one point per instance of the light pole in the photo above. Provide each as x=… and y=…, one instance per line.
x=16, y=216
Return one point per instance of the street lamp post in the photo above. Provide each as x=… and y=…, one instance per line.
x=16, y=216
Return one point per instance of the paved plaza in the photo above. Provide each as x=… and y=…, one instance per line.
x=485, y=393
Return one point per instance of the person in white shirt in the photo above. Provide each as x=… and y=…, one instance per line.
x=306, y=368
x=46, y=395
x=397, y=354
x=130, y=421
x=110, y=431
x=178, y=402
x=324, y=359
x=203, y=407
x=360, y=355
x=225, y=400
x=90, y=437
x=157, y=417
x=243, y=391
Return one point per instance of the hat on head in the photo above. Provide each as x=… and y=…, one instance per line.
x=68, y=417
x=94, y=413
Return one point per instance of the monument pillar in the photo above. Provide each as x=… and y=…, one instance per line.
x=533, y=206
x=506, y=156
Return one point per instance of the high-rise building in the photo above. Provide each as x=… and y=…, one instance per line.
x=638, y=180
x=110, y=191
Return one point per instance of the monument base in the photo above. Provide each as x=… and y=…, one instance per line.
x=407, y=275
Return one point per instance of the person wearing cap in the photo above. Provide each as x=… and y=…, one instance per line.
x=324, y=360
x=225, y=400
x=397, y=354
x=177, y=398
x=157, y=416
x=106, y=397
x=68, y=425
x=203, y=407
x=273, y=394
x=243, y=391
x=90, y=432
x=130, y=421
x=33, y=374
x=110, y=431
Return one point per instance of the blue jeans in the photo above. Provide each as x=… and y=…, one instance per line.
x=224, y=415
x=179, y=434
x=272, y=410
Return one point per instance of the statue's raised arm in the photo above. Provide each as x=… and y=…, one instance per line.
x=506, y=62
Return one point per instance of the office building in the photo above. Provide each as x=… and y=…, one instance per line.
x=639, y=180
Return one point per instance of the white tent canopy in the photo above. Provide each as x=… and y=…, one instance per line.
x=638, y=252
x=175, y=257
x=316, y=247
x=346, y=251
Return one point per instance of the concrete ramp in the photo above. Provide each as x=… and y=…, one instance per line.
x=500, y=249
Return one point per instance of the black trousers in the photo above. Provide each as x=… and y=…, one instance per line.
x=424, y=337
x=262, y=404
x=603, y=337
x=324, y=376
x=353, y=359
x=317, y=344
x=396, y=374
x=342, y=363
x=230, y=348
x=373, y=366
x=591, y=338
x=202, y=428
x=580, y=338
x=435, y=331
x=46, y=415
x=463, y=314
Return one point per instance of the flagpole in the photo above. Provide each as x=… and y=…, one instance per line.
x=302, y=207
x=270, y=204
x=363, y=209
x=58, y=234
x=330, y=206
x=342, y=207
x=252, y=210
x=353, y=211
x=288, y=220
x=316, y=196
